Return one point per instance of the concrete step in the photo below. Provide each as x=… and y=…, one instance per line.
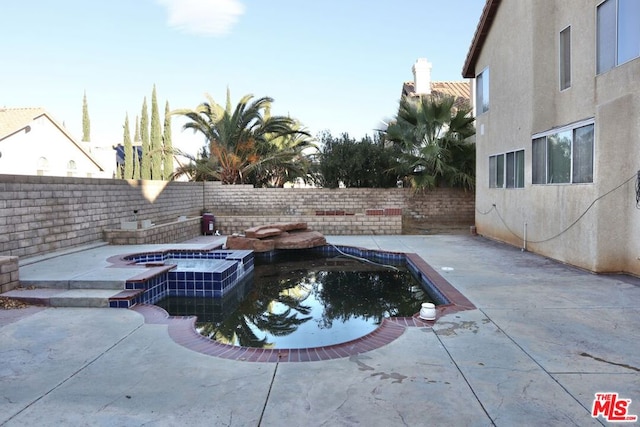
x=63, y=297
x=73, y=284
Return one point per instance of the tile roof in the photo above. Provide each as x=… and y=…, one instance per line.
x=484, y=25
x=455, y=89
x=460, y=90
x=13, y=120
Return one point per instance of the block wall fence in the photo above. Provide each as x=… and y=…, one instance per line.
x=43, y=214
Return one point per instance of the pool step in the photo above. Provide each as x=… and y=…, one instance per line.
x=53, y=297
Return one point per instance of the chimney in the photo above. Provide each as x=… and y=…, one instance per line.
x=422, y=76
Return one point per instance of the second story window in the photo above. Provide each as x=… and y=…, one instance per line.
x=618, y=37
x=565, y=58
x=482, y=92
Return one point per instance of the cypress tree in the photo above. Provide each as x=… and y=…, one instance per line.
x=128, y=150
x=136, y=164
x=136, y=135
x=168, y=145
x=156, y=138
x=145, y=167
x=86, y=125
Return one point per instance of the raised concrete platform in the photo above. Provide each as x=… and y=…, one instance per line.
x=83, y=276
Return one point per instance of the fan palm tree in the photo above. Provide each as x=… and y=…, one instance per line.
x=238, y=140
x=432, y=133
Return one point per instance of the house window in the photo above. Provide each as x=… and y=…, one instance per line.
x=496, y=171
x=563, y=156
x=42, y=166
x=565, y=58
x=582, y=155
x=482, y=92
x=618, y=37
x=515, y=169
x=507, y=170
x=538, y=161
x=71, y=168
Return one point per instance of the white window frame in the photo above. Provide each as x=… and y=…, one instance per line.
x=570, y=127
x=493, y=172
x=504, y=182
x=481, y=96
x=616, y=41
x=515, y=169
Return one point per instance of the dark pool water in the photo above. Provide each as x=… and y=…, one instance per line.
x=301, y=300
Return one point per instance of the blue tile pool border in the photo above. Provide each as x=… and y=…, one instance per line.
x=160, y=281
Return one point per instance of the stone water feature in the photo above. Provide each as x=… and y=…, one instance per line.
x=264, y=238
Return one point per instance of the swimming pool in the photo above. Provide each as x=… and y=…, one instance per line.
x=301, y=299
x=182, y=329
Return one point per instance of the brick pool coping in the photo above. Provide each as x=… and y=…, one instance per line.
x=182, y=329
x=183, y=332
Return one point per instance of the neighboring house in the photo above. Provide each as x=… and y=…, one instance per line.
x=33, y=143
x=422, y=85
x=557, y=90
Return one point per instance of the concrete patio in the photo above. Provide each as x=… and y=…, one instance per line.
x=545, y=337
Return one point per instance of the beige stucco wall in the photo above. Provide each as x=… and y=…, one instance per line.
x=507, y=124
x=522, y=54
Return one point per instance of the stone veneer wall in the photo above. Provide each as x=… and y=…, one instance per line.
x=41, y=214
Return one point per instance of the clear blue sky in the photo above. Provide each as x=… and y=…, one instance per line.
x=332, y=64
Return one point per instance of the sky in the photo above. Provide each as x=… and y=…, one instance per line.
x=335, y=65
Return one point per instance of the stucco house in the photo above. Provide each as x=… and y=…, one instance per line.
x=33, y=143
x=557, y=105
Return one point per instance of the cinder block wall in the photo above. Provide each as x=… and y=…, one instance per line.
x=170, y=232
x=340, y=225
x=43, y=214
x=9, y=274
x=441, y=205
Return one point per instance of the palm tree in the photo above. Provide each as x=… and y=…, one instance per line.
x=285, y=158
x=238, y=140
x=432, y=133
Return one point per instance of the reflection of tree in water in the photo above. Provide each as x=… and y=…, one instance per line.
x=258, y=312
x=369, y=295
x=346, y=288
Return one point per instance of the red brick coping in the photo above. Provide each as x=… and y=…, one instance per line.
x=182, y=330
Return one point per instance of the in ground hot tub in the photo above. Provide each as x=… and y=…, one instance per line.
x=210, y=274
